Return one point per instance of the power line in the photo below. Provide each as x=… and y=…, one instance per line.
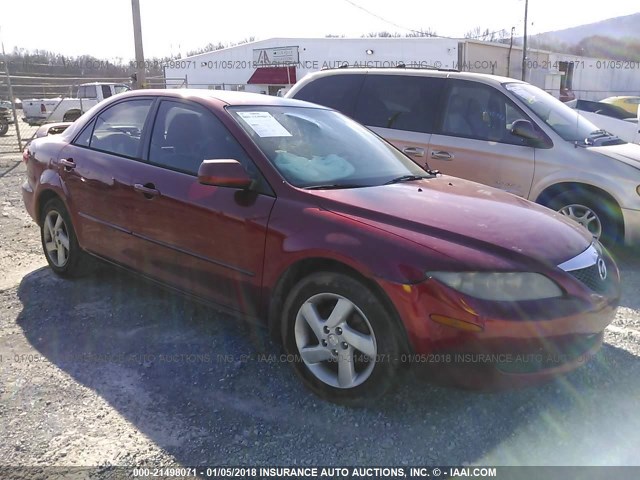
x=389, y=21
x=369, y=12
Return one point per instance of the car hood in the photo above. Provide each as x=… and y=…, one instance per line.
x=628, y=153
x=446, y=213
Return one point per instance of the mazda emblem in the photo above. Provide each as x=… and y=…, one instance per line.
x=602, y=268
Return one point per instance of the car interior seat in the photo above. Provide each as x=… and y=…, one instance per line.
x=182, y=146
x=455, y=121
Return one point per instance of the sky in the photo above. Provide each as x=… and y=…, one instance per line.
x=104, y=29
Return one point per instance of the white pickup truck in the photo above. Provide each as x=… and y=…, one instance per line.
x=44, y=110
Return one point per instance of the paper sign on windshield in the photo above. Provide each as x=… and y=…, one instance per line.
x=264, y=124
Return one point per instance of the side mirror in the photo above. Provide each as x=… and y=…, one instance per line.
x=224, y=173
x=524, y=128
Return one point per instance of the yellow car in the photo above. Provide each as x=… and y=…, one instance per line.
x=630, y=104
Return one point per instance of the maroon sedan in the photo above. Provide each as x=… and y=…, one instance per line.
x=357, y=259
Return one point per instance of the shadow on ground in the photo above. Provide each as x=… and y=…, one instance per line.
x=193, y=381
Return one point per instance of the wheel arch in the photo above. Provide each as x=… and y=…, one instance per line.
x=304, y=267
x=42, y=200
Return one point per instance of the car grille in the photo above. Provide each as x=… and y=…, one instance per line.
x=591, y=278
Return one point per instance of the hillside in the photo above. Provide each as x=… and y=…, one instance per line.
x=619, y=28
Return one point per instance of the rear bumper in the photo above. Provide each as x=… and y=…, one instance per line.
x=34, y=120
x=631, y=226
x=29, y=199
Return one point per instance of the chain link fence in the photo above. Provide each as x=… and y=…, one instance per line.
x=44, y=94
x=13, y=132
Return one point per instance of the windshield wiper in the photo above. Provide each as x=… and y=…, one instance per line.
x=406, y=178
x=599, y=138
x=334, y=186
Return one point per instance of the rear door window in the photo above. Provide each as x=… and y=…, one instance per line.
x=400, y=102
x=87, y=91
x=118, y=129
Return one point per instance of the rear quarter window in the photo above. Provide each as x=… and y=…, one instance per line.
x=336, y=91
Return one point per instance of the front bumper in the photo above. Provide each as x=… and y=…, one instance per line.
x=514, y=344
x=631, y=220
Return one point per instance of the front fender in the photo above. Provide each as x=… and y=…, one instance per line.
x=322, y=234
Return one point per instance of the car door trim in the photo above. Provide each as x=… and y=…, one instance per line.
x=169, y=246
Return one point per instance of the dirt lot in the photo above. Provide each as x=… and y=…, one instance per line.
x=109, y=370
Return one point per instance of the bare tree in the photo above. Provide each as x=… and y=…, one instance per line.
x=485, y=35
x=422, y=33
x=383, y=34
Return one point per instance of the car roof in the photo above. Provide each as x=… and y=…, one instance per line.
x=101, y=83
x=214, y=98
x=419, y=72
x=225, y=96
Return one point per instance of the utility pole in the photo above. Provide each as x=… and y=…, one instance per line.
x=513, y=29
x=16, y=121
x=137, y=37
x=524, y=43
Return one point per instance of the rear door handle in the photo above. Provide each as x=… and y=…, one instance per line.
x=68, y=163
x=414, y=151
x=148, y=189
x=441, y=155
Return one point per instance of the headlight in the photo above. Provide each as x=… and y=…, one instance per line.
x=500, y=286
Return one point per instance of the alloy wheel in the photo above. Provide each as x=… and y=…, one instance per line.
x=335, y=340
x=585, y=217
x=56, y=239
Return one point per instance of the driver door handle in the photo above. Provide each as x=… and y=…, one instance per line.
x=441, y=155
x=148, y=189
x=68, y=163
x=414, y=151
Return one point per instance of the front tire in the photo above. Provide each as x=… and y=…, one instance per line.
x=597, y=215
x=59, y=241
x=345, y=345
x=4, y=127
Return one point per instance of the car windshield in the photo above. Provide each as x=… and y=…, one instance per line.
x=313, y=147
x=566, y=122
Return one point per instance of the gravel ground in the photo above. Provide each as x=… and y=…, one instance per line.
x=110, y=370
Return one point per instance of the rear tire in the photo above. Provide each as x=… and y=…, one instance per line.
x=59, y=242
x=71, y=116
x=599, y=216
x=340, y=339
x=4, y=127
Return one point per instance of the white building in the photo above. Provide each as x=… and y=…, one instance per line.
x=267, y=66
